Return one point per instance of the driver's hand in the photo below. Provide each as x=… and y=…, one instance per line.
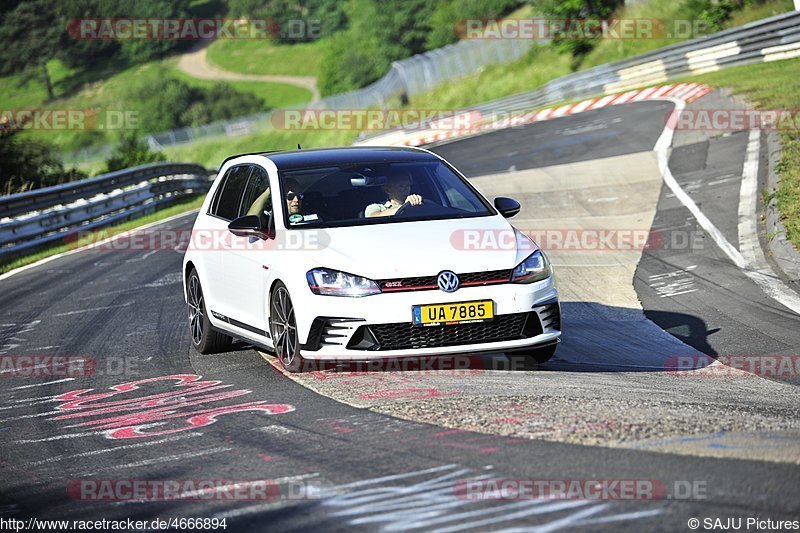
x=414, y=199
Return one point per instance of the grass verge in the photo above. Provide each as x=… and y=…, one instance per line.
x=266, y=57
x=160, y=214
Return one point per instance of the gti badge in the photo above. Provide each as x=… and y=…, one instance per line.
x=447, y=281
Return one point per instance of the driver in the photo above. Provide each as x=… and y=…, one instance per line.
x=398, y=189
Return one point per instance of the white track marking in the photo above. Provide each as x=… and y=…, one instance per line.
x=167, y=459
x=759, y=270
x=43, y=384
x=57, y=437
x=90, y=309
x=113, y=449
x=279, y=430
x=748, y=261
x=94, y=244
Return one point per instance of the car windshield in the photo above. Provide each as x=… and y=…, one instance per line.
x=375, y=193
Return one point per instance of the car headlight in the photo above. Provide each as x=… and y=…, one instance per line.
x=334, y=283
x=535, y=268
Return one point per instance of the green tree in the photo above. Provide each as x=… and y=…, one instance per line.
x=326, y=15
x=378, y=33
x=30, y=35
x=143, y=50
x=26, y=164
x=131, y=152
x=448, y=16
x=578, y=9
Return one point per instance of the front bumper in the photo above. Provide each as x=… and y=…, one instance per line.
x=379, y=326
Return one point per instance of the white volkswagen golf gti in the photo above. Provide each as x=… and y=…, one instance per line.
x=359, y=253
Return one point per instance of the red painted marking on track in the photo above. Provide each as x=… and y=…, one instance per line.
x=137, y=414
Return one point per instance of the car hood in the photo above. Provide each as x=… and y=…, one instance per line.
x=423, y=248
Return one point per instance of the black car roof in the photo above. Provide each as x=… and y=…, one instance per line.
x=320, y=157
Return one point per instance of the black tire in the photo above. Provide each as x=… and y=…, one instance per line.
x=283, y=329
x=204, y=337
x=531, y=359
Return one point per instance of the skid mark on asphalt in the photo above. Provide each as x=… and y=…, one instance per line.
x=432, y=499
x=11, y=336
x=432, y=502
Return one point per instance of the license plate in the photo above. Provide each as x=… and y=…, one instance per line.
x=454, y=313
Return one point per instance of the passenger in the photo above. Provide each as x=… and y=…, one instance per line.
x=398, y=189
x=294, y=199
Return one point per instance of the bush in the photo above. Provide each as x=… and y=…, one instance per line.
x=27, y=164
x=448, y=14
x=713, y=13
x=174, y=104
x=326, y=16
x=131, y=152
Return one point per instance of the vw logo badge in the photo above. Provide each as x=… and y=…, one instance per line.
x=447, y=281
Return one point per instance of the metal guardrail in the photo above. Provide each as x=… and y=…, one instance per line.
x=35, y=218
x=768, y=39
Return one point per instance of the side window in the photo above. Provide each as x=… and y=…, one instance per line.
x=231, y=196
x=257, y=196
x=212, y=209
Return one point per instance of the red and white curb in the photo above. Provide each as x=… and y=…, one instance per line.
x=687, y=92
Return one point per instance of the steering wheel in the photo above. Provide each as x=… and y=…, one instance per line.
x=406, y=206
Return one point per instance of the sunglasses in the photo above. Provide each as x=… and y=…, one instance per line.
x=292, y=195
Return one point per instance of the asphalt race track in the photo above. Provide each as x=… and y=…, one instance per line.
x=393, y=450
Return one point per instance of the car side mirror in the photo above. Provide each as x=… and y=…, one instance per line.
x=508, y=207
x=248, y=226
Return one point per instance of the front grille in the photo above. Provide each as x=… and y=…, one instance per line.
x=405, y=335
x=489, y=277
